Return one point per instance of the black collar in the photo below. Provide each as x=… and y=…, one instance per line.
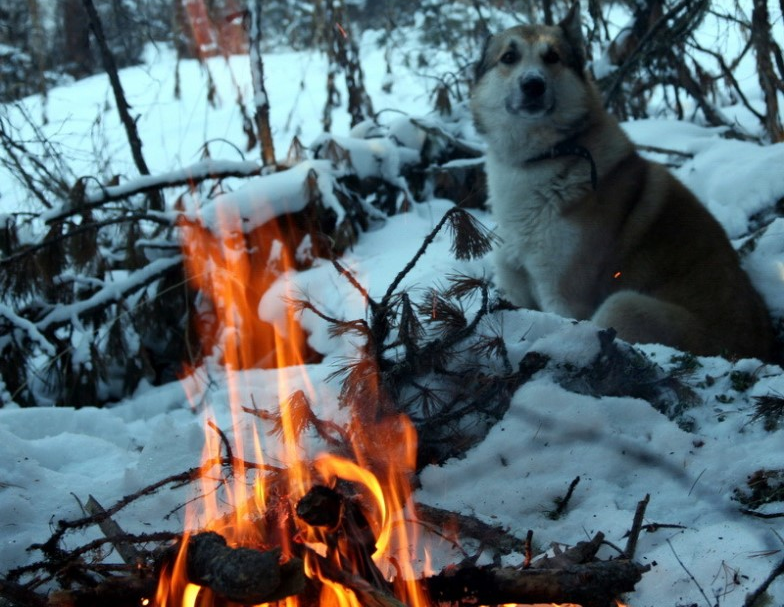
x=569, y=148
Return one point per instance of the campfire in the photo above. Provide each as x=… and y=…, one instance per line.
x=291, y=526
x=328, y=528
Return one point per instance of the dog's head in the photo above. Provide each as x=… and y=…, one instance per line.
x=532, y=76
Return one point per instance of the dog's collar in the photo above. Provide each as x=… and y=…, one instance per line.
x=569, y=148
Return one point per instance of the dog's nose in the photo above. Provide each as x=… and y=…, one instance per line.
x=533, y=87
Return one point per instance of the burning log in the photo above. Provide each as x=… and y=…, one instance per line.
x=252, y=576
x=348, y=535
x=242, y=574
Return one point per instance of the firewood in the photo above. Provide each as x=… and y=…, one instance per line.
x=579, y=554
x=241, y=574
x=347, y=533
x=112, y=531
x=127, y=591
x=591, y=585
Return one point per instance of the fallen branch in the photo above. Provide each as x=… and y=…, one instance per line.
x=753, y=597
x=112, y=531
x=190, y=176
x=591, y=585
x=634, y=534
x=494, y=536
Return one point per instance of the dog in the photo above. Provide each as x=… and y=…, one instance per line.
x=586, y=227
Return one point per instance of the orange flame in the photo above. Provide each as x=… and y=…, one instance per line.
x=383, y=459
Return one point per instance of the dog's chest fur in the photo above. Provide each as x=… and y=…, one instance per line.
x=530, y=204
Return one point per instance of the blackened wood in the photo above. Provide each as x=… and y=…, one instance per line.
x=321, y=507
x=240, y=574
x=127, y=591
x=591, y=585
x=346, y=531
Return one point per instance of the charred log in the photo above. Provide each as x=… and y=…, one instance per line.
x=244, y=575
x=591, y=585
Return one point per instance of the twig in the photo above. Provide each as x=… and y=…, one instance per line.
x=81, y=229
x=634, y=534
x=693, y=579
x=112, y=531
x=51, y=546
x=468, y=526
x=563, y=502
x=354, y=283
x=528, y=548
x=18, y=594
x=223, y=438
x=762, y=514
x=752, y=597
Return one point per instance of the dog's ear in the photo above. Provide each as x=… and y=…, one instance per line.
x=484, y=62
x=572, y=27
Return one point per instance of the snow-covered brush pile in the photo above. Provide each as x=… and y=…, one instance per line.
x=96, y=302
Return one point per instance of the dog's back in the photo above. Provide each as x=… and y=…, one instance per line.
x=588, y=228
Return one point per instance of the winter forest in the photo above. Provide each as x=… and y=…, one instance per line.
x=252, y=347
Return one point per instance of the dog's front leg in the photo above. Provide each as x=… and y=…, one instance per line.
x=514, y=282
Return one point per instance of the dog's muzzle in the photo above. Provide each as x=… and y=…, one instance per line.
x=532, y=97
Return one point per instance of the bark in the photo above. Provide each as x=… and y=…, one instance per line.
x=763, y=45
x=260, y=97
x=590, y=585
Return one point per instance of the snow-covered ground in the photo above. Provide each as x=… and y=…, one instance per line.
x=622, y=448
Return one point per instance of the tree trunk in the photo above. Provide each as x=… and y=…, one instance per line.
x=260, y=98
x=761, y=39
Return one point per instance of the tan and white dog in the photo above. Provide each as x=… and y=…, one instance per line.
x=587, y=228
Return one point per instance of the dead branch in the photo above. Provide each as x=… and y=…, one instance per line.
x=591, y=585
x=112, y=531
x=753, y=597
x=634, y=534
x=19, y=594
x=579, y=554
x=493, y=536
x=51, y=548
x=189, y=176
x=126, y=591
x=76, y=231
x=123, y=108
x=562, y=502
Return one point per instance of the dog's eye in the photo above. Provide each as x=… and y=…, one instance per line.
x=509, y=57
x=551, y=57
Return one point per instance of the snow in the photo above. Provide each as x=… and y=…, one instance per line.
x=621, y=448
